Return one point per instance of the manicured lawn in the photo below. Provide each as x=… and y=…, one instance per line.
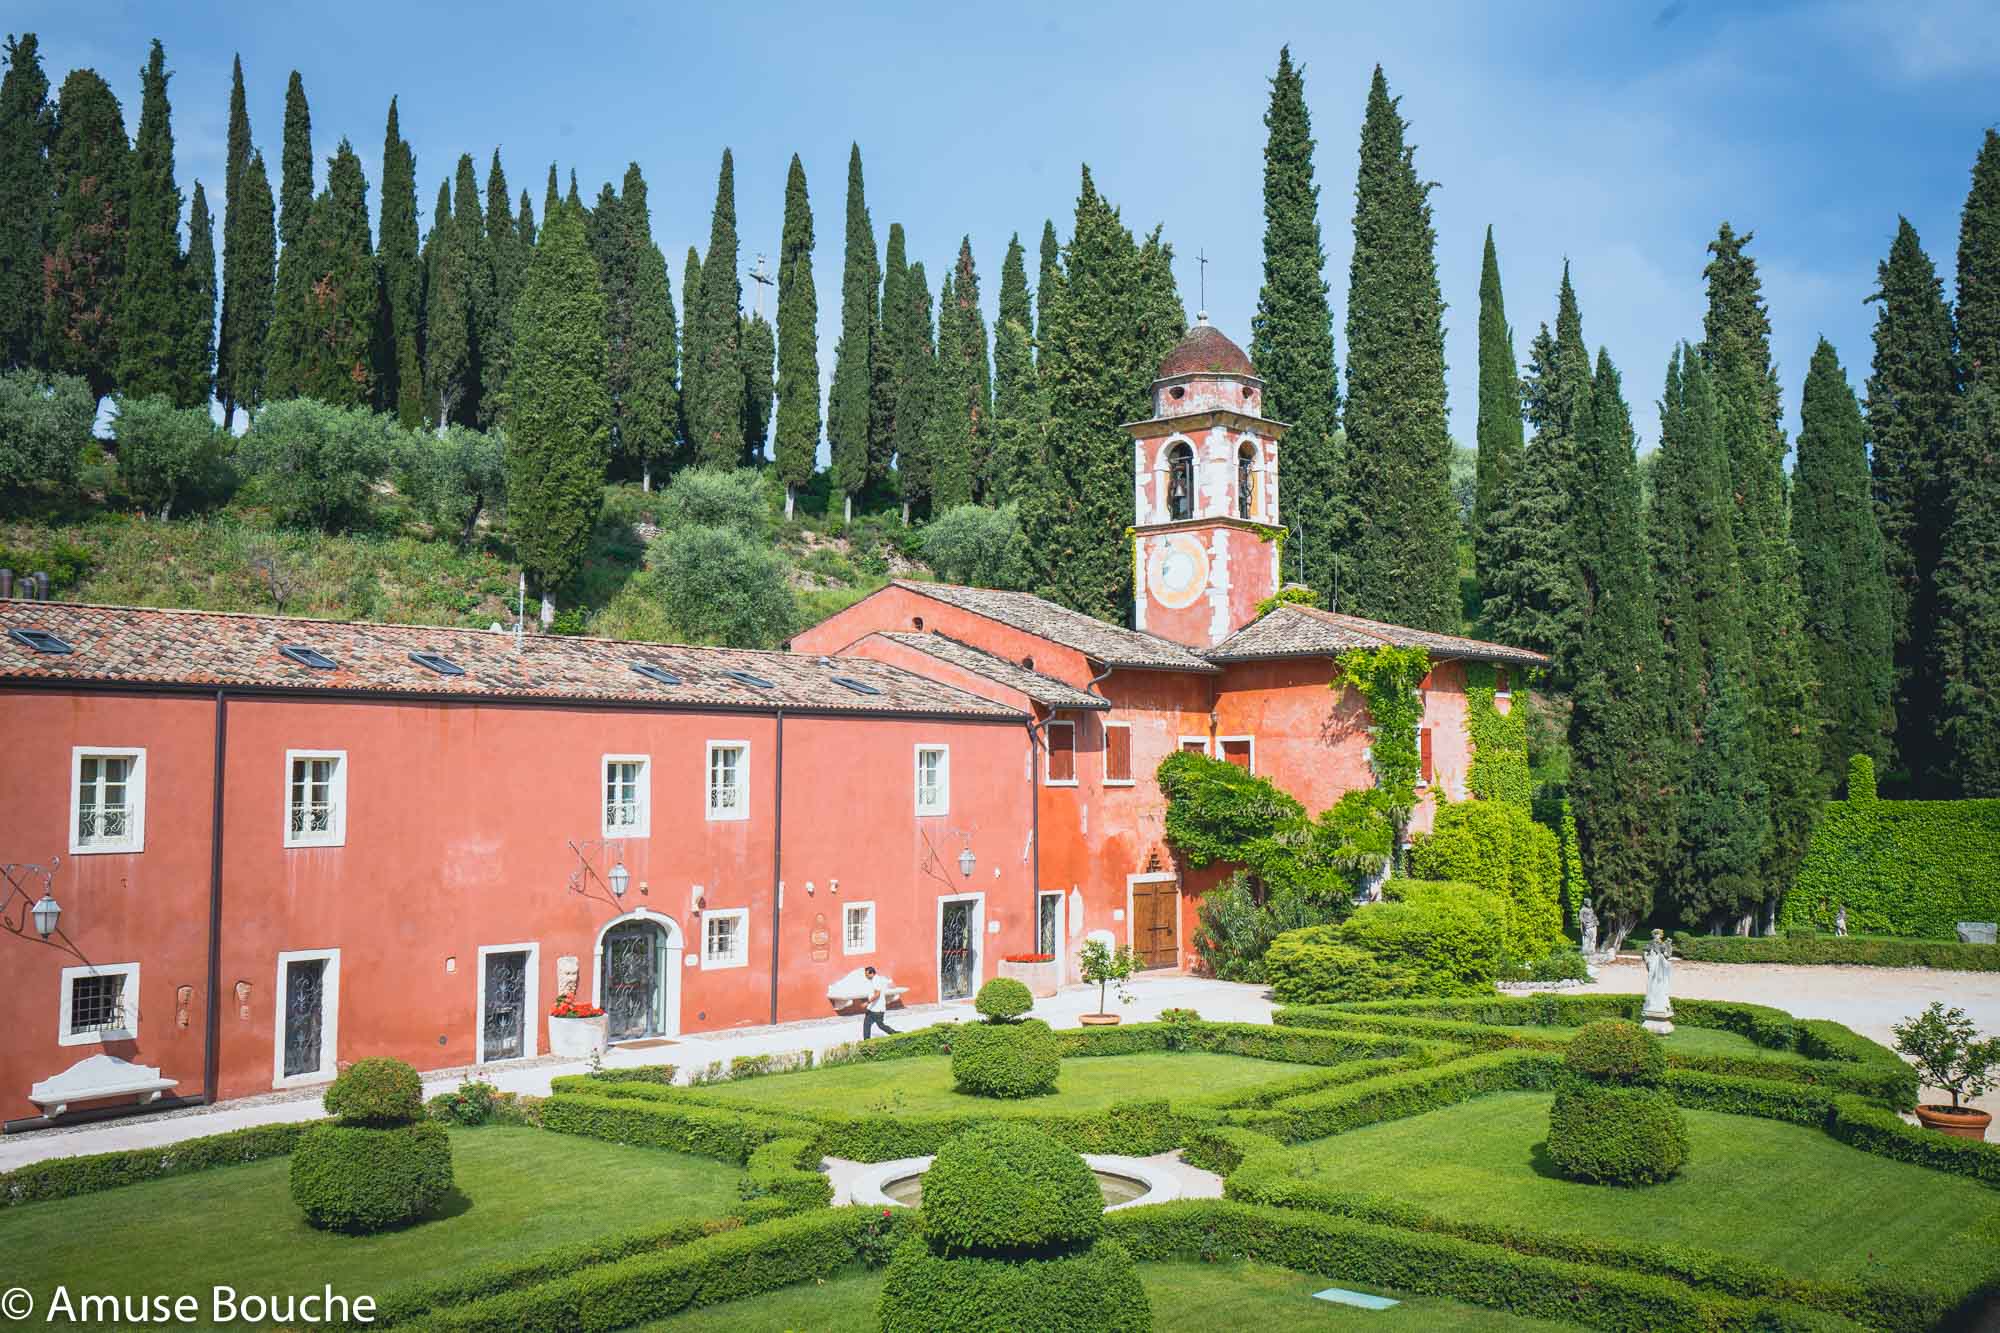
x=1687, y=1040
x=924, y=1084
x=1784, y=1194
x=519, y=1190
x=1187, y=1298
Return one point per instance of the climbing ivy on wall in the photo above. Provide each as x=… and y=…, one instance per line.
x=1387, y=679
x=1499, y=741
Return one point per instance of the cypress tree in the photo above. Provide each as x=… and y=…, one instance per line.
x=715, y=400
x=946, y=443
x=551, y=197
x=559, y=419
x=573, y=200
x=916, y=356
x=759, y=343
x=508, y=260
x=86, y=265
x=285, y=348
x=1979, y=266
x=152, y=307
x=1842, y=578
x=1107, y=324
x=1968, y=601
x=343, y=312
x=482, y=302
x=1047, y=278
x=448, y=346
x=1911, y=399
x=1624, y=810
x=195, y=357
x=888, y=363
x=612, y=245
x=1016, y=397
x=797, y=442
x=691, y=356
x=640, y=339
x=524, y=231
x=976, y=378
x=1783, y=717
x=1401, y=549
x=1502, y=447
x=27, y=184
x=1291, y=340
x=848, y=402
x=249, y=262
x=402, y=279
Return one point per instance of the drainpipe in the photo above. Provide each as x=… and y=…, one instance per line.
x=777, y=862
x=1034, y=835
x=212, y=1037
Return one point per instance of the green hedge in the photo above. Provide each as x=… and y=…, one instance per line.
x=1006, y=1060
x=1095, y=1289
x=1913, y=868
x=724, y=1267
x=1008, y=1190
x=1401, y=1095
x=787, y=1169
x=66, y=1177
x=1439, y=938
x=625, y=1113
x=1271, y=1178
x=1441, y=1265
x=1873, y=951
x=1224, y=1148
x=366, y=1178
x=1613, y=1135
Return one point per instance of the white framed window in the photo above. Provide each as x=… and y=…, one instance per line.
x=98, y=1003
x=315, y=798
x=1061, y=770
x=725, y=937
x=1198, y=744
x=1238, y=750
x=933, y=779
x=728, y=779
x=1503, y=683
x=628, y=795
x=305, y=1039
x=107, y=790
x=1118, y=754
x=857, y=928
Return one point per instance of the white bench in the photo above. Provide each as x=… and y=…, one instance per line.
x=98, y=1077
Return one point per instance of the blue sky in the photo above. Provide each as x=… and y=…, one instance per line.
x=1617, y=136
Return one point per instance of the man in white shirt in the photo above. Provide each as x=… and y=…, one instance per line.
x=875, y=1015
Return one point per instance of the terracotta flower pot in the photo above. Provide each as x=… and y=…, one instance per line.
x=1098, y=1020
x=1965, y=1122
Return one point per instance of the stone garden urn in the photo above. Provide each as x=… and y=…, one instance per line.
x=577, y=1029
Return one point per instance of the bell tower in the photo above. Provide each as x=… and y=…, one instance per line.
x=1206, y=538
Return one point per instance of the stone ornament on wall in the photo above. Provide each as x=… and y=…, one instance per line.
x=568, y=974
x=183, y=1002
x=243, y=1001
x=821, y=938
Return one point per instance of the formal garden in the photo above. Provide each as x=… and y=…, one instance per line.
x=1489, y=1162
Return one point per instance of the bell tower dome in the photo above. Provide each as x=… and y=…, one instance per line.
x=1206, y=538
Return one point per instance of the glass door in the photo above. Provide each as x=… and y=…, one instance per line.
x=505, y=1019
x=955, y=956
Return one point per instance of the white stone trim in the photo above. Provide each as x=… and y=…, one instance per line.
x=942, y=805
x=1161, y=1179
x=1154, y=877
x=135, y=800
x=531, y=1002
x=741, y=955
x=336, y=835
x=1049, y=750
x=846, y=946
x=709, y=807
x=676, y=959
x=1250, y=740
x=642, y=826
x=1200, y=743
x=1130, y=758
x=975, y=935
x=129, y=1004
x=329, y=1032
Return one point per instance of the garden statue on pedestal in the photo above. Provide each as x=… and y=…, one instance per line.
x=381, y=1162
x=1840, y=920
x=1659, y=1010
x=1586, y=927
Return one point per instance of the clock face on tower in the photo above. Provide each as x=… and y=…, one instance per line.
x=1177, y=570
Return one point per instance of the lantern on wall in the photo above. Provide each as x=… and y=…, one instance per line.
x=46, y=912
x=620, y=877
x=966, y=860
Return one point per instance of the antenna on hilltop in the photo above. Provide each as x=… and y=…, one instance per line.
x=1201, y=257
x=761, y=275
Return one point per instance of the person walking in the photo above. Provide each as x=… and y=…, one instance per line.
x=876, y=1014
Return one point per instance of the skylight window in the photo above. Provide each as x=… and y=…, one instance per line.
x=307, y=657
x=438, y=662
x=745, y=678
x=654, y=672
x=858, y=686
x=40, y=640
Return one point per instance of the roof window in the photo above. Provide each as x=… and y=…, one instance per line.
x=307, y=657
x=40, y=640
x=654, y=672
x=745, y=678
x=437, y=662
x=858, y=686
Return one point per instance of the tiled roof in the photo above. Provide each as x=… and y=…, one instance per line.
x=151, y=646
x=1113, y=645
x=1206, y=348
x=1043, y=689
x=1292, y=630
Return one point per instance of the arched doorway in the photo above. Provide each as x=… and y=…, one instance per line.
x=638, y=977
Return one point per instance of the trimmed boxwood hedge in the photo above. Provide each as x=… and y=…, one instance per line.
x=1096, y=1289
x=364, y=1178
x=1441, y=1265
x=1007, y=1060
x=376, y=1091
x=725, y=1267
x=1874, y=951
x=1615, y=1051
x=632, y=1113
x=1441, y=938
x=1003, y=999
x=787, y=1169
x=1008, y=1189
x=1616, y=1135
x=67, y=1177
x=1914, y=868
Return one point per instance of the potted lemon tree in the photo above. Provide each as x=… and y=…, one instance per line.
x=1100, y=965
x=1946, y=1049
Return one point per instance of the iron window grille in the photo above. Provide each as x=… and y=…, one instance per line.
x=307, y=657
x=103, y=800
x=725, y=781
x=40, y=640
x=723, y=939
x=97, y=1004
x=315, y=808
x=624, y=796
x=858, y=928
x=933, y=780
x=437, y=662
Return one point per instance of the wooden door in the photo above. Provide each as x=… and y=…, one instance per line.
x=1155, y=912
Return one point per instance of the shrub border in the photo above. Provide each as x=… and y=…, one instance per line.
x=1836, y=950
x=67, y=1177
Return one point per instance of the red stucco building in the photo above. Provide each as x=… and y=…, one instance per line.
x=281, y=845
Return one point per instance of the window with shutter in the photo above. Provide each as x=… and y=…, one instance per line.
x=1117, y=752
x=1238, y=750
x=1424, y=750
x=1062, y=753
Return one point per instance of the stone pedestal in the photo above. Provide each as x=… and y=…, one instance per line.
x=1657, y=1022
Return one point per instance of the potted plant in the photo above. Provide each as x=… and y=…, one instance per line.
x=576, y=1029
x=1101, y=966
x=1036, y=971
x=1945, y=1046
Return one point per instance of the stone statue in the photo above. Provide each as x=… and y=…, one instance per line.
x=1586, y=925
x=1658, y=1012
x=1840, y=920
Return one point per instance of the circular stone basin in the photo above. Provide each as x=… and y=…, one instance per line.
x=1124, y=1180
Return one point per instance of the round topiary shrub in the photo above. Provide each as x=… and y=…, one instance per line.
x=1611, y=1135
x=360, y=1178
x=1616, y=1052
x=1002, y=1189
x=1005, y=1060
x=1010, y=1240
x=376, y=1092
x=1003, y=999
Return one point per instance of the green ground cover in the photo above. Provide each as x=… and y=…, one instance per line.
x=1682, y=1040
x=238, y=1226
x=923, y=1084
x=1784, y=1194
x=1187, y=1298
